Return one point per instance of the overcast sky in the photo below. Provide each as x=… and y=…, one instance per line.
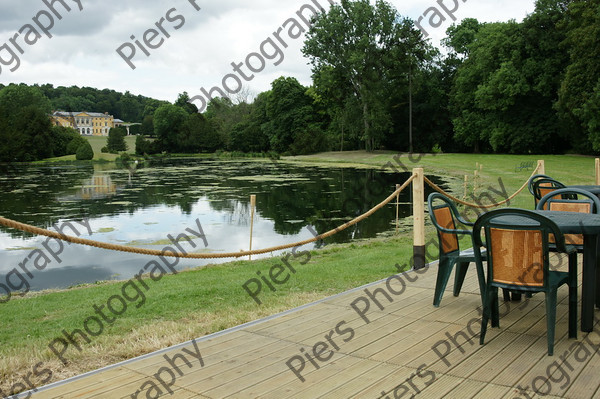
x=199, y=51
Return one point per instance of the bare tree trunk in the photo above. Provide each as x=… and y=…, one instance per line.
x=367, y=127
x=342, y=142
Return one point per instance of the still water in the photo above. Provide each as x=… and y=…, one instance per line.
x=140, y=205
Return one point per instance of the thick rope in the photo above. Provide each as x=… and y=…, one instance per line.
x=142, y=251
x=478, y=206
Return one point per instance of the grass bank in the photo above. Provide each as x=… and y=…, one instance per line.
x=97, y=142
x=199, y=302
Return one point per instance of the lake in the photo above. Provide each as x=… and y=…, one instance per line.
x=141, y=204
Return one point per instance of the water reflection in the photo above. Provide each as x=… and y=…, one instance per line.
x=141, y=204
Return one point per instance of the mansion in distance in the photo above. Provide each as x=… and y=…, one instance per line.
x=86, y=123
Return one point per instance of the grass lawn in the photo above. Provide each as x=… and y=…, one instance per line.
x=97, y=142
x=198, y=302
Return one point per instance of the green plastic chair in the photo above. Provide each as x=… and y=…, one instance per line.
x=570, y=200
x=444, y=217
x=543, y=187
x=518, y=259
x=530, y=184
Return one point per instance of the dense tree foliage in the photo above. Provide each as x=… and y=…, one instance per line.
x=579, y=94
x=124, y=106
x=65, y=141
x=366, y=53
x=504, y=90
x=116, y=139
x=25, y=129
x=84, y=152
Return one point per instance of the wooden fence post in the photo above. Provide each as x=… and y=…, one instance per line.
x=419, y=219
x=252, y=206
x=598, y=171
x=542, y=169
x=466, y=187
x=397, y=208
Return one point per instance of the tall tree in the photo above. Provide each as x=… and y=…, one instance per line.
x=197, y=135
x=504, y=91
x=25, y=128
x=369, y=48
x=579, y=95
x=249, y=135
x=223, y=114
x=183, y=101
x=168, y=123
x=290, y=115
x=116, y=139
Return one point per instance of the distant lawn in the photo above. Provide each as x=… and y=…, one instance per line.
x=569, y=169
x=97, y=142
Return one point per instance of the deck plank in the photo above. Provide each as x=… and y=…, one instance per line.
x=391, y=353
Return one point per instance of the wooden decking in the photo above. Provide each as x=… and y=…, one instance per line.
x=390, y=357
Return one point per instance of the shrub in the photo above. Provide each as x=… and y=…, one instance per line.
x=145, y=147
x=116, y=139
x=74, y=144
x=84, y=152
x=61, y=137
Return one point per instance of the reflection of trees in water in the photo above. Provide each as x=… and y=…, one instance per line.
x=239, y=213
x=28, y=193
x=325, y=198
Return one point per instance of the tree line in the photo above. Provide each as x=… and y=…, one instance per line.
x=504, y=87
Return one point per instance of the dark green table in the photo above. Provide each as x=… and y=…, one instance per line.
x=592, y=189
x=575, y=223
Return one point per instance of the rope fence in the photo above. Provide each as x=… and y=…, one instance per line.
x=143, y=251
x=479, y=206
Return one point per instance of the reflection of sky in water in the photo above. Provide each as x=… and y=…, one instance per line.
x=81, y=264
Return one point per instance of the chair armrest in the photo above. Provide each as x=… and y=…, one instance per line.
x=463, y=221
x=450, y=231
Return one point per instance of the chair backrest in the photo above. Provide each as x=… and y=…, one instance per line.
x=533, y=179
x=571, y=206
x=517, y=256
x=570, y=200
x=577, y=200
x=517, y=247
x=543, y=187
x=444, y=216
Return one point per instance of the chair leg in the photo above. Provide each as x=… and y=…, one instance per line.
x=459, y=276
x=551, y=318
x=506, y=295
x=444, y=270
x=481, y=280
x=573, y=295
x=495, y=307
x=485, y=316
